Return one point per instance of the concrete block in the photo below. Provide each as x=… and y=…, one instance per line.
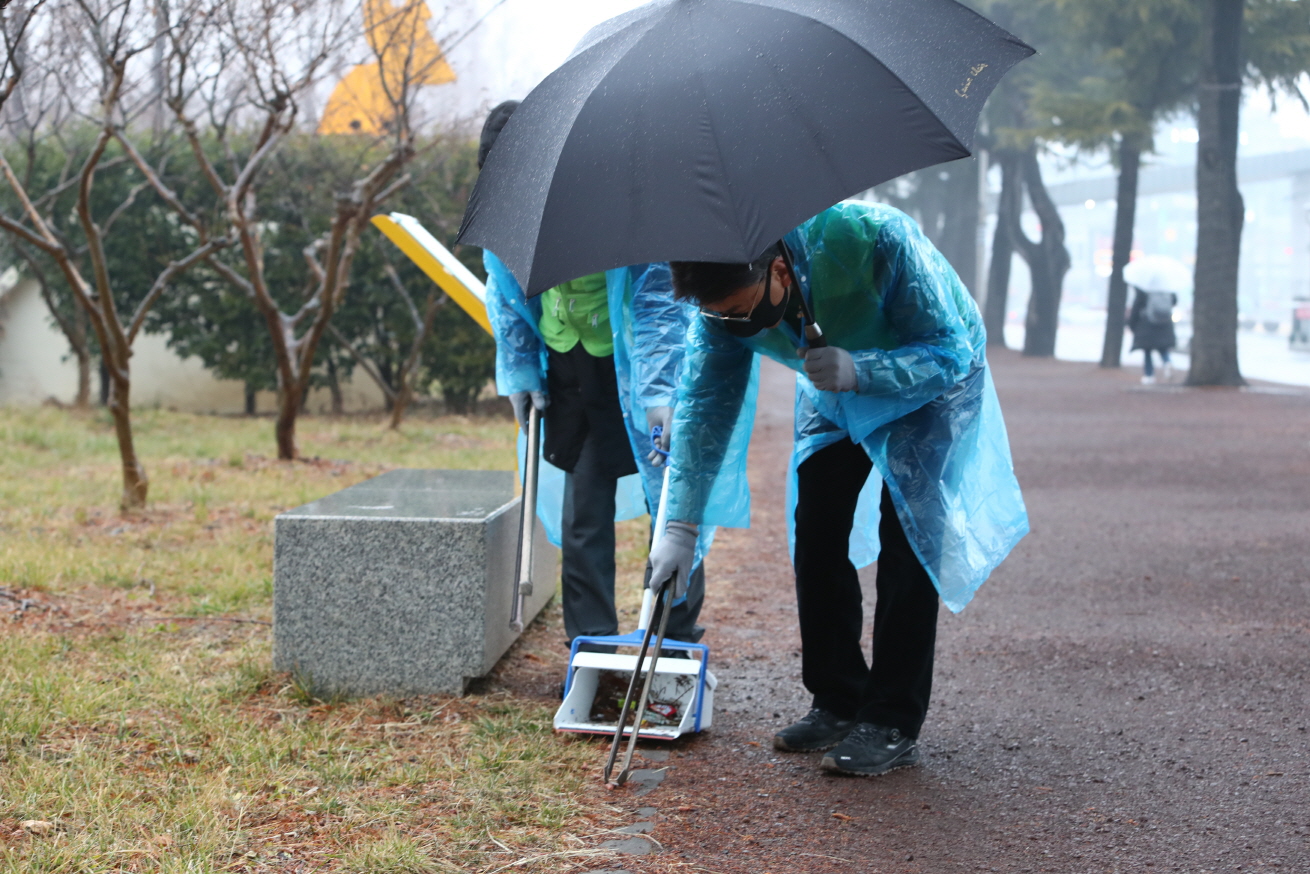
x=401, y=585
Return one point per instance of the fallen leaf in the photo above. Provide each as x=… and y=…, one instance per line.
x=162, y=841
x=38, y=827
x=686, y=809
x=843, y=817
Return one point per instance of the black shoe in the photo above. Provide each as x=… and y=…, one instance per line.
x=870, y=750
x=818, y=730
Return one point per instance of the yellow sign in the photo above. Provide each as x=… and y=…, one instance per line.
x=438, y=263
x=365, y=101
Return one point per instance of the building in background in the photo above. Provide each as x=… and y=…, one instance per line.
x=1274, y=175
x=36, y=367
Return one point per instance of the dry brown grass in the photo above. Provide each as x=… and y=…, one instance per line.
x=140, y=718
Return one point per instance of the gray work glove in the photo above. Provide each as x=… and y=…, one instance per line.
x=831, y=369
x=672, y=558
x=520, y=400
x=663, y=417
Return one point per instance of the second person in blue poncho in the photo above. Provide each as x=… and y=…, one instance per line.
x=903, y=389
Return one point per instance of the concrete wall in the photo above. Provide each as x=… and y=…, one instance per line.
x=35, y=365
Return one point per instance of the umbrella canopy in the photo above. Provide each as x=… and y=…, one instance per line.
x=704, y=130
x=1158, y=273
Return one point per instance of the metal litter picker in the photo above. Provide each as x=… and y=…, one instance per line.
x=676, y=694
x=527, y=522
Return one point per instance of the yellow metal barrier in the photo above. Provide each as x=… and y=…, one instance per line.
x=438, y=263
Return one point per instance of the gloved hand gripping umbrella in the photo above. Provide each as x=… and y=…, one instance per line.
x=705, y=130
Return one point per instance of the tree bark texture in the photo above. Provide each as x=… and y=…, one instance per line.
x=1008, y=209
x=1047, y=258
x=135, y=482
x=1220, y=211
x=334, y=387
x=958, y=237
x=1125, y=217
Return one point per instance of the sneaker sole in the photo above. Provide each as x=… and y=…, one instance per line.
x=906, y=760
x=782, y=746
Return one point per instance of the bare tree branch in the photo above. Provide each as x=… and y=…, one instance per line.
x=12, y=67
x=363, y=361
x=174, y=269
x=154, y=180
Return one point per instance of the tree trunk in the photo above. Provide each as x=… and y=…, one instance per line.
x=104, y=382
x=251, y=399
x=960, y=230
x=1048, y=261
x=135, y=481
x=400, y=404
x=288, y=407
x=1125, y=217
x=1008, y=208
x=82, y=350
x=334, y=387
x=1220, y=211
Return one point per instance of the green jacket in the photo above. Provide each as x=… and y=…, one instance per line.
x=578, y=311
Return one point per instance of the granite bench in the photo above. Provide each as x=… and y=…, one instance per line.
x=401, y=585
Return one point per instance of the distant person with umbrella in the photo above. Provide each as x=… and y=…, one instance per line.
x=903, y=388
x=1156, y=281
x=598, y=356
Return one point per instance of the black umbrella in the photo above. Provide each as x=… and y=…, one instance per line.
x=704, y=130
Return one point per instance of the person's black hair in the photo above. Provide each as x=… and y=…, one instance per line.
x=710, y=281
x=492, y=127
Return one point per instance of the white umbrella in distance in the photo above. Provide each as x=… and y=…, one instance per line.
x=1159, y=273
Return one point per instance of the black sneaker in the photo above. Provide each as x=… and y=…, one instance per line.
x=818, y=730
x=871, y=750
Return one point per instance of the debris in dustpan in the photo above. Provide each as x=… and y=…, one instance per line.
x=611, y=686
x=661, y=713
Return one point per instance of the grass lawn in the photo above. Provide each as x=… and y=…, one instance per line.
x=141, y=725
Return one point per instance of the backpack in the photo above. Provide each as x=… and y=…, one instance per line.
x=1159, y=309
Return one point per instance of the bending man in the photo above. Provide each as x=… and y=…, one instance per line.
x=904, y=388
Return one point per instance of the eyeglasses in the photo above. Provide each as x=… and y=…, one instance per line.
x=727, y=317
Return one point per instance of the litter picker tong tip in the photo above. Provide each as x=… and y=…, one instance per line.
x=656, y=605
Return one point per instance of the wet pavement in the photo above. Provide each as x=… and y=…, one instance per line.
x=1129, y=692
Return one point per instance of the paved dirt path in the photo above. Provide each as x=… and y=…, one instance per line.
x=1130, y=690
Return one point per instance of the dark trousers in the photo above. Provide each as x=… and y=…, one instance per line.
x=893, y=690
x=587, y=532
x=1148, y=366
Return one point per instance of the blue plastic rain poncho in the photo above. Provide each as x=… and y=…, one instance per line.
x=925, y=409
x=649, y=340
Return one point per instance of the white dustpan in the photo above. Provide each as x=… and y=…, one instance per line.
x=682, y=689
x=682, y=692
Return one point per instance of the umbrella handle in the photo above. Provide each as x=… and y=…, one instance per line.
x=814, y=338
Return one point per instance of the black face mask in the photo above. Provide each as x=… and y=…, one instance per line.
x=765, y=315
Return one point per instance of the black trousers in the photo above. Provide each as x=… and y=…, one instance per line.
x=587, y=437
x=588, y=557
x=893, y=689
